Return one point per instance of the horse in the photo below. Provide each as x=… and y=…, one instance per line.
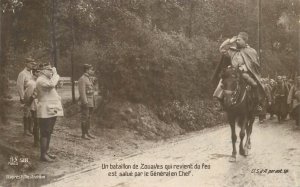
x=280, y=106
x=239, y=107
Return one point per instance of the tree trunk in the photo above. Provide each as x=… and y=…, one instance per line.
x=190, y=27
x=5, y=30
x=72, y=49
x=53, y=34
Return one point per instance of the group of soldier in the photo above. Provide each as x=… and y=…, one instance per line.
x=282, y=97
x=41, y=104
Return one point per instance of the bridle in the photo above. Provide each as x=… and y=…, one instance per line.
x=235, y=94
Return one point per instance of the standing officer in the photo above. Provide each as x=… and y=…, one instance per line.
x=49, y=107
x=30, y=102
x=22, y=82
x=87, y=99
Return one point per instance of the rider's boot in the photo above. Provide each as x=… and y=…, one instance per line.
x=220, y=106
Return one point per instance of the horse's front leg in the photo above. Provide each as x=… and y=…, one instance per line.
x=249, y=131
x=243, y=122
x=249, y=125
x=233, y=139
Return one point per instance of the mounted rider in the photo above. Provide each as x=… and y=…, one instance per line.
x=240, y=55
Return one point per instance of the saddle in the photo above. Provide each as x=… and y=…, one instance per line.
x=248, y=93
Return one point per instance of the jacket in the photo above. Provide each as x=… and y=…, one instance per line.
x=23, y=78
x=294, y=97
x=86, y=90
x=30, y=95
x=249, y=57
x=49, y=102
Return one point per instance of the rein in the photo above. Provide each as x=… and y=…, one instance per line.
x=236, y=95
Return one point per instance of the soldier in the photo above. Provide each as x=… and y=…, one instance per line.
x=49, y=107
x=267, y=101
x=294, y=100
x=30, y=102
x=245, y=58
x=22, y=82
x=87, y=99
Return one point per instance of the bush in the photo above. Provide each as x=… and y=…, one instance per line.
x=192, y=115
x=150, y=66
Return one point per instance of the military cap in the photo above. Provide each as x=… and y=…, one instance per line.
x=45, y=66
x=87, y=66
x=35, y=69
x=243, y=35
x=30, y=60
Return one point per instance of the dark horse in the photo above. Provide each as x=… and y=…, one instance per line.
x=239, y=106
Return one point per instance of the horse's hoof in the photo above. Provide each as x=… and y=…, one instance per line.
x=246, y=152
x=242, y=152
x=249, y=146
x=232, y=159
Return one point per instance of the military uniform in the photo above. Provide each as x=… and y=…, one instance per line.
x=30, y=103
x=246, y=60
x=22, y=82
x=294, y=100
x=49, y=107
x=87, y=101
x=24, y=78
x=294, y=95
x=237, y=61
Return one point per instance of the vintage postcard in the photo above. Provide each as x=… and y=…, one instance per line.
x=149, y=93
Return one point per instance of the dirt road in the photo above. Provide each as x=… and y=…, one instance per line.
x=201, y=159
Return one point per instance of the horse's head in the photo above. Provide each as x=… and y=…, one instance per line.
x=231, y=79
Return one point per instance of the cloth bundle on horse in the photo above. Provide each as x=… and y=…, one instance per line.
x=239, y=89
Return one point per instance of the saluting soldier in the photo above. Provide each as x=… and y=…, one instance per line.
x=87, y=100
x=49, y=107
x=245, y=58
x=22, y=82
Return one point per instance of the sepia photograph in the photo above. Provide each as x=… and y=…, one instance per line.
x=150, y=93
